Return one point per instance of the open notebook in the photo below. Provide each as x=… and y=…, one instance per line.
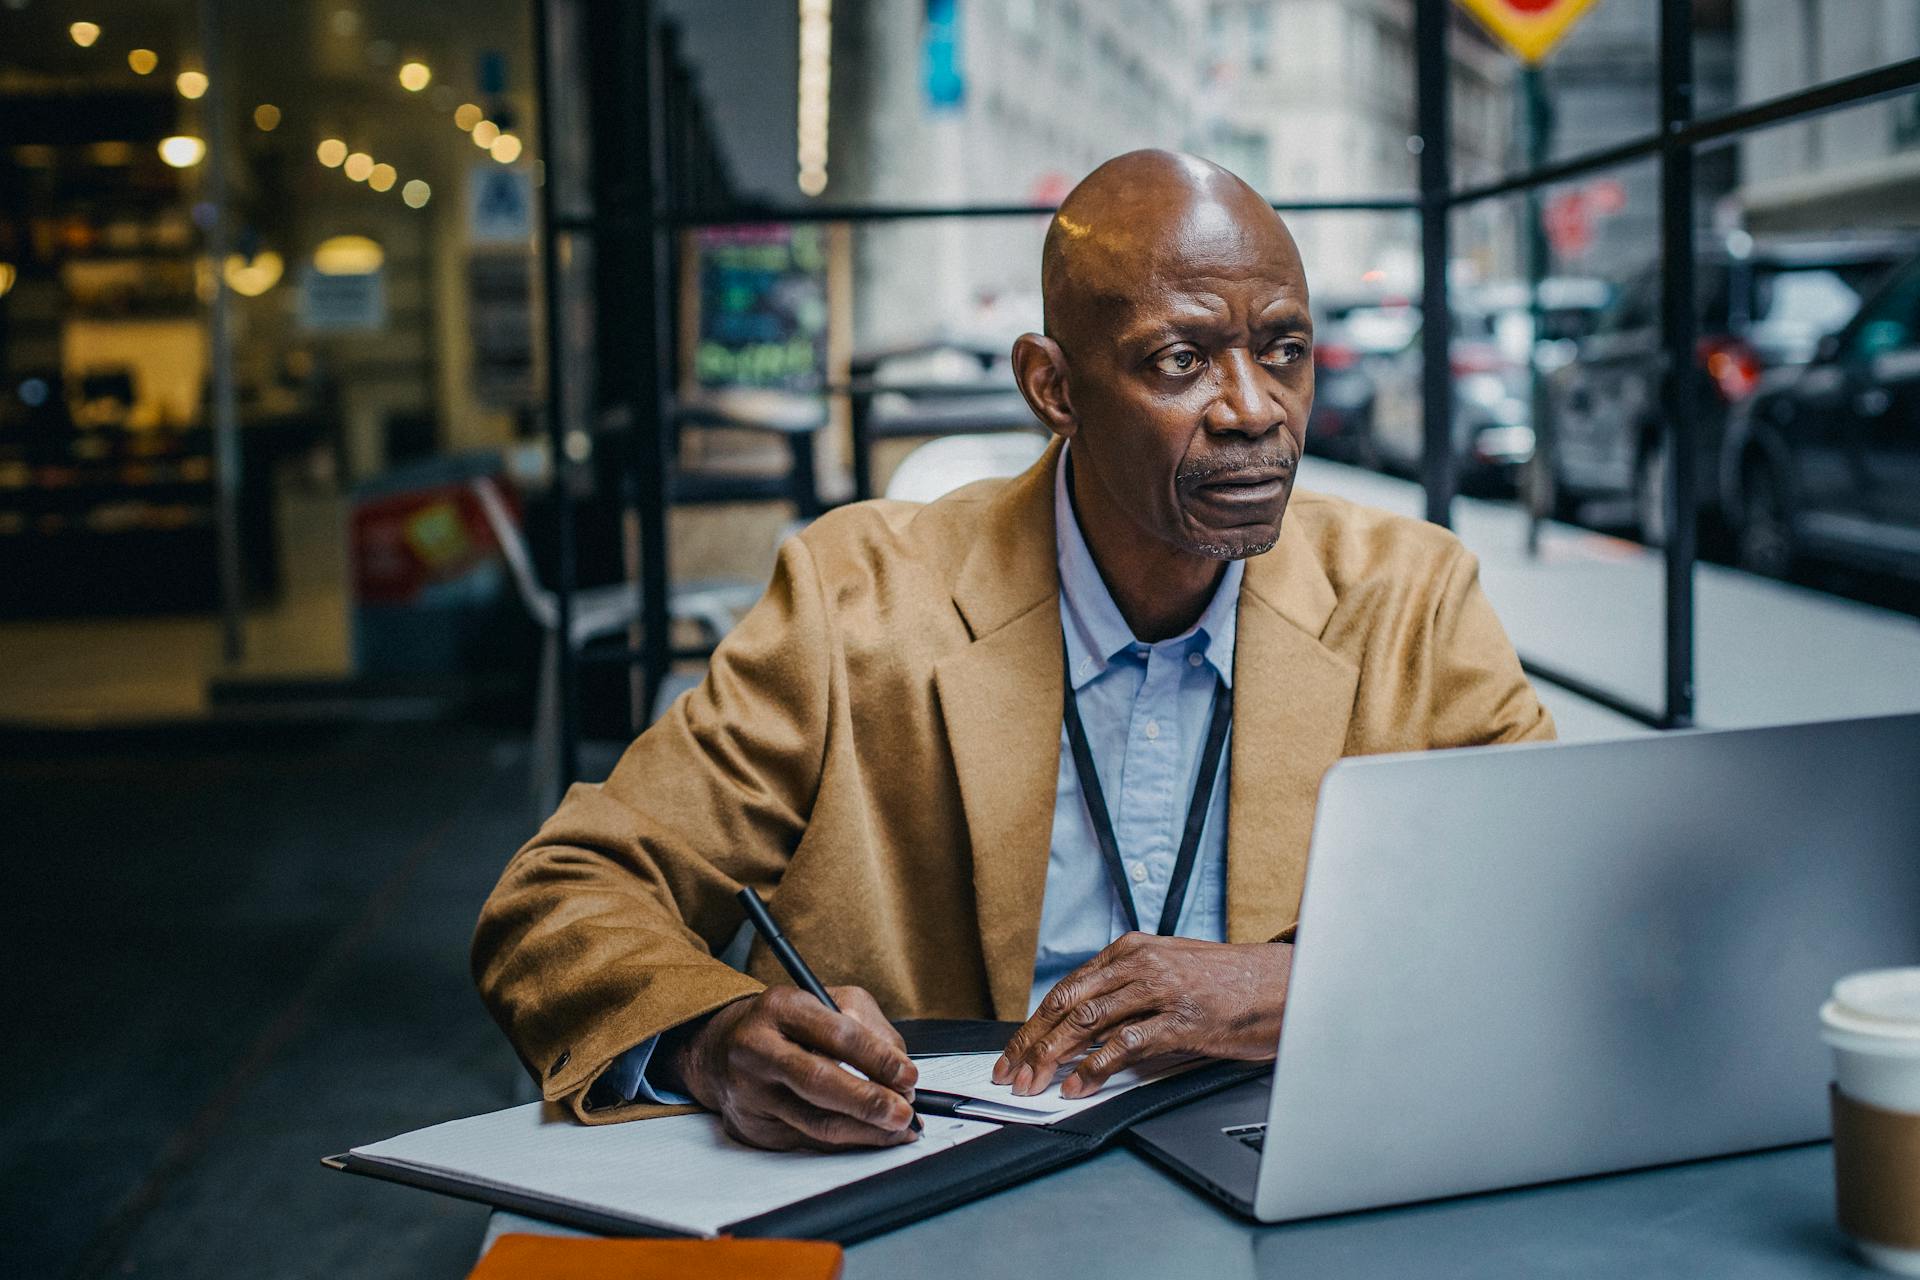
x=681, y=1174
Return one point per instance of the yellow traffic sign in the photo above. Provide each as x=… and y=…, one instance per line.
x=1528, y=27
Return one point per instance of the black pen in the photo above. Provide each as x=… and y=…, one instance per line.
x=764, y=924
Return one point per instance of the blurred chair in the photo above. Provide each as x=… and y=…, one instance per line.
x=796, y=418
x=938, y=467
x=944, y=388
x=598, y=612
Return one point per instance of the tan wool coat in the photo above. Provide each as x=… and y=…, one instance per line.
x=875, y=749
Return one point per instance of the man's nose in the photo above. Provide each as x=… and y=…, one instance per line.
x=1247, y=402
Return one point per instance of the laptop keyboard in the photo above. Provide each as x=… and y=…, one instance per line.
x=1254, y=1135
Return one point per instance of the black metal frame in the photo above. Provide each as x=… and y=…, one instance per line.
x=653, y=199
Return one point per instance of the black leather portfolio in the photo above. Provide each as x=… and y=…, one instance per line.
x=853, y=1211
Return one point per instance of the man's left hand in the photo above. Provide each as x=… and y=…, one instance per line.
x=1144, y=996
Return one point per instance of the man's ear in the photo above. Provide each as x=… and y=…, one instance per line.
x=1040, y=367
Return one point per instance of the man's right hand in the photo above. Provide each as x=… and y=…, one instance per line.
x=770, y=1066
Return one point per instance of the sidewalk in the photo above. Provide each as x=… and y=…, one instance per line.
x=1594, y=607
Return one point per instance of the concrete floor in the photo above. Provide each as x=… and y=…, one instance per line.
x=230, y=954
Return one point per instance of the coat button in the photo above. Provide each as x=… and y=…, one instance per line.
x=559, y=1064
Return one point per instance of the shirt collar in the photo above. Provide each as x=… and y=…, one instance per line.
x=1096, y=632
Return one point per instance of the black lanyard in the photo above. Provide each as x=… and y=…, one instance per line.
x=1196, y=811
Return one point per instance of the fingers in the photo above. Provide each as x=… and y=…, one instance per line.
x=1125, y=1046
x=857, y=1004
x=825, y=1084
x=1073, y=1014
x=877, y=1053
x=832, y=1129
x=785, y=1085
x=790, y=1124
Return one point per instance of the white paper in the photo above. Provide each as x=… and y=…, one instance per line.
x=971, y=1075
x=681, y=1173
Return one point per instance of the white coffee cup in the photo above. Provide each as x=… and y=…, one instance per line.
x=1873, y=1025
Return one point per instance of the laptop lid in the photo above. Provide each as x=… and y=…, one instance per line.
x=1517, y=964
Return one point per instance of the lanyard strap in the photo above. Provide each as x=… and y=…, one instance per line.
x=1196, y=811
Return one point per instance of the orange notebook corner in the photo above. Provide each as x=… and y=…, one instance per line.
x=533, y=1257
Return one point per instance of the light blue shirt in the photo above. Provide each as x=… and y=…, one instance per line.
x=1145, y=708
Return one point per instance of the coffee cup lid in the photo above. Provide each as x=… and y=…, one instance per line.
x=1883, y=1002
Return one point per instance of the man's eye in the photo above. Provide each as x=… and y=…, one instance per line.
x=1287, y=351
x=1174, y=363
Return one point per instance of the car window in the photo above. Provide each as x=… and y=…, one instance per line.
x=1891, y=321
x=1794, y=309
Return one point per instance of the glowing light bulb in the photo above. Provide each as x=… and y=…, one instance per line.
x=467, y=115
x=331, y=152
x=415, y=76
x=485, y=134
x=348, y=256
x=84, y=33
x=416, y=194
x=182, y=151
x=191, y=84
x=358, y=166
x=506, y=148
x=266, y=117
x=382, y=177
x=143, y=61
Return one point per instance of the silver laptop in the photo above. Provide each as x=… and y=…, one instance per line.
x=1517, y=964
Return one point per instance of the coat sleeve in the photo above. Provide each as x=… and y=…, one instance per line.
x=604, y=928
x=1480, y=694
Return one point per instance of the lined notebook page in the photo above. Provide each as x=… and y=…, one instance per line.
x=681, y=1173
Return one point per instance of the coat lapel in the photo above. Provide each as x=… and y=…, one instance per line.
x=1292, y=699
x=1000, y=698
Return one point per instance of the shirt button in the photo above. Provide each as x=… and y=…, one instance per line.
x=1195, y=659
x=1153, y=728
x=1139, y=873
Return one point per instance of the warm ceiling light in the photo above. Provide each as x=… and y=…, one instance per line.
x=415, y=76
x=358, y=166
x=143, y=61
x=348, y=256
x=251, y=277
x=467, y=115
x=266, y=117
x=331, y=152
x=191, y=84
x=416, y=194
x=84, y=33
x=485, y=134
x=815, y=83
x=8, y=274
x=383, y=177
x=506, y=148
x=183, y=151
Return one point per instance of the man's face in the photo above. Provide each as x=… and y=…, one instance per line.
x=1192, y=382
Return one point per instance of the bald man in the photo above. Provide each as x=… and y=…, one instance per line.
x=1045, y=750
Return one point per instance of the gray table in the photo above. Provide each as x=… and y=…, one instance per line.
x=1745, y=1217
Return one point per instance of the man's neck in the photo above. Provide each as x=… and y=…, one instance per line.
x=1159, y=589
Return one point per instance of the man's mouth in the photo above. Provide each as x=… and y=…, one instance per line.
x=1249, y=485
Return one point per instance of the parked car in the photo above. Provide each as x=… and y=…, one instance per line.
x=1759, y=307
x=1492, y=416
x=1823, y=463
x=1341, y=426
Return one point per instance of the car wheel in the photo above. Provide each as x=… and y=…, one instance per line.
x=1650, y=495
x=1765, y=540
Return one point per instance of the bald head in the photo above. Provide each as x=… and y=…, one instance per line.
x=1178, y=359
x=1146, y=221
